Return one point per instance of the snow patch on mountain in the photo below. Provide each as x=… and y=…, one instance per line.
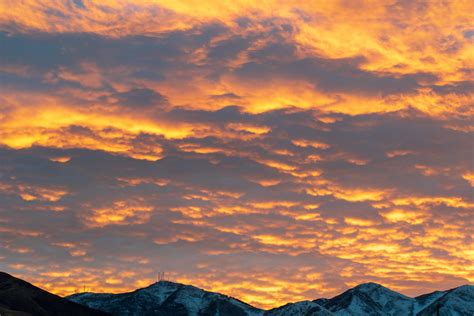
x=307, y=308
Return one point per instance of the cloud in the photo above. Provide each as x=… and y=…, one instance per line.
x=269, y=153
x=233, y=202
x=229, y=96
x=338, y=75
x=140, y=98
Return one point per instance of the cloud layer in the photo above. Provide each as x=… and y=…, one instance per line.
x=272, y=153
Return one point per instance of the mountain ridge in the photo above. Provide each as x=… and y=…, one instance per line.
x=165, y=298
x=20, y=298
x=370, y=299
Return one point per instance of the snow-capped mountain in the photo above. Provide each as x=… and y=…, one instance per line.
x=306, y=308
x=455, y=302
x=369, y=299
x=167, y=299
x=20, y=298
x=372, y=299
x=425, y=300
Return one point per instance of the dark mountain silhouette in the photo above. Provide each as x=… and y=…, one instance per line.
x=20, y=298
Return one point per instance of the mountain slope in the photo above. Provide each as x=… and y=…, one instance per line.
x=455, y=302
x=20, y=298
x=304, y=308
x=370, y=299
x=425, y=300
x=167, y=298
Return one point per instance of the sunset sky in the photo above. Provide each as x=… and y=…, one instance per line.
x=270, y=150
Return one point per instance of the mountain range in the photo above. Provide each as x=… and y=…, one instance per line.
x=166, y=298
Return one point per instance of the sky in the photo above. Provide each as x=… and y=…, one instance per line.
x=274, y=151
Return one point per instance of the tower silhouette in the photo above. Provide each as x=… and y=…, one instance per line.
x=161, y=276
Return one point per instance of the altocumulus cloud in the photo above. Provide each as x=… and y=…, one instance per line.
x=307, y=150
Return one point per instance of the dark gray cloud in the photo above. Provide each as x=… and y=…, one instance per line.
x=228, y=49
x=141, y=98
x=334, y=75
x=225, y=96
x=47, y=51
x=161, y=58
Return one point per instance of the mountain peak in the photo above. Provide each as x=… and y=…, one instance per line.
x=457, y=301
x=465, y=287
x=370, y=299
x=164, y=283
x=18, y=295
x=372, y=289
x=369, y=286
x=166, y=298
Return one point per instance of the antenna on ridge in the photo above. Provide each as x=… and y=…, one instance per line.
x=161, y=276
